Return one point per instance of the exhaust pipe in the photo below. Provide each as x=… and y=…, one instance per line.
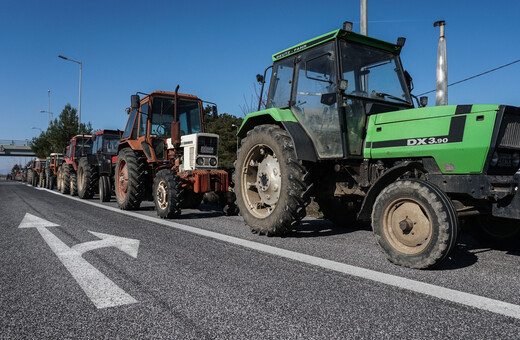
x=441, y=89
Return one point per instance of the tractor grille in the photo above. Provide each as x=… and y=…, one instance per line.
x=208, y=145
x=509, y=136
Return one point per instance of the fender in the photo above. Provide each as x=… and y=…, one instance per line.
x=284, y=118
x=390, y=176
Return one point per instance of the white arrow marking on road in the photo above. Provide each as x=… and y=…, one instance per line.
x=99, y=288
x=127, y=245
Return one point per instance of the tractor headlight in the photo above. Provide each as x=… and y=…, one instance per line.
x=515, y=160
x=494, y=159
x=213, y=161
x=200, y=161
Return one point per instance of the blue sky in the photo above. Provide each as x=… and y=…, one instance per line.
x=214, y=49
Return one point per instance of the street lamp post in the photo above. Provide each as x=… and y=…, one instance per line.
x=80, y=66
x=49, y=114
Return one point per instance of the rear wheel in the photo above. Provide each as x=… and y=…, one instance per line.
x=272, y=187
x=87, y=179
x=73, y=184
x=191, y=199
x=66, y=170
x=168, y=194
x=414, y=223
x=129, y=180
x=58, y=178
x=104, y=189
x=496, y=232
x=340, y=212
x=51, y=182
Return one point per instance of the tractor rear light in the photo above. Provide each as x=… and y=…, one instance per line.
x=494, y=159
x=213, y=161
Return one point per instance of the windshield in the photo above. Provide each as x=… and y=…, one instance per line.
x=110, y=144
x=162, y=116
x=373, y=73
x=86, y=144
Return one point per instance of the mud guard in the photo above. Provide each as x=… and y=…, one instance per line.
x=390, y=176
x=303, y=145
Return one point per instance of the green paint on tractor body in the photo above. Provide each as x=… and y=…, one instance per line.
x=459, y=143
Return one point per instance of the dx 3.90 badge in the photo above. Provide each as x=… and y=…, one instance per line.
x=427, y=141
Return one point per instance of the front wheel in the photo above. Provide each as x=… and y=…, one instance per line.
x=414, y=223
x=272, y=187
x=168, y=194
x=73, y=184
x=104, y=189
x=87, y=179
x=129, y=180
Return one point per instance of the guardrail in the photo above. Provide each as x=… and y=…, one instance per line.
x=15, y=142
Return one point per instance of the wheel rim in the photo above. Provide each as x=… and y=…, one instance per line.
x=161, y=195
x=407, y=225
x=122, y=179
x=261, y=180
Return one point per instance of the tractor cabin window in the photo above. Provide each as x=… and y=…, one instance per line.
x=144, y=119
x=129, y=124
x=189, y=117
x=315, y=99
x=162, y=117
x=281, y=83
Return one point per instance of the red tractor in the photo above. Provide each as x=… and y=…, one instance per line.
x=38, y=167
x=79, y=146
x=51, y=169
x=96, y=170
x=165, y=155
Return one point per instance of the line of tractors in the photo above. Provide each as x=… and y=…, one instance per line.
x=163, y=155
x=339, y=127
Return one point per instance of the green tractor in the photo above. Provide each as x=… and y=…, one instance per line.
x=339, y=126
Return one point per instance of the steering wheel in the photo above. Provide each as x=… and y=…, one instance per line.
x=160, y=129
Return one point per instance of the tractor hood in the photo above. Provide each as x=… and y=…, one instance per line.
x=431, y=112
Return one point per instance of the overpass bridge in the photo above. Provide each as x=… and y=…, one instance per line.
x=11, y=147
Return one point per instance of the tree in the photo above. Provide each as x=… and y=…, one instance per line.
x=223, y=126
x=60, y=131
x=16, y=168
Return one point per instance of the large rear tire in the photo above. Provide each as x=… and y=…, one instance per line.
x=73, y=184
x=496, y=232
x=51, y=182
x=104, y=189
x=65, y=179
x=191, y=199
x=272, y=186
x=129, y=180
x=415, y=223
x=87, y=179
x=168, y=194
x=340, y=212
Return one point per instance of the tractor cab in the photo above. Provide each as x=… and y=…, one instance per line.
x=164, y=124
x=331, y=84
x=105, y=142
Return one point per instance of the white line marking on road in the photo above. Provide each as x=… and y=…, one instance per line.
x=467, y=299
x=99, y=288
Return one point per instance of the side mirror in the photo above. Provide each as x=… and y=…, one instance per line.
x=328, y=98
x=135, y=101
x=343, y=85
x=215, y=112
x=176, y=133
x=423, y=101
x=260, y=78
x=128, y=110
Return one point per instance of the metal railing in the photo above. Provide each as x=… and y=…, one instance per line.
x=15, y=142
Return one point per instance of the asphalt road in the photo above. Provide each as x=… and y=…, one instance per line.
x=206, y=276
